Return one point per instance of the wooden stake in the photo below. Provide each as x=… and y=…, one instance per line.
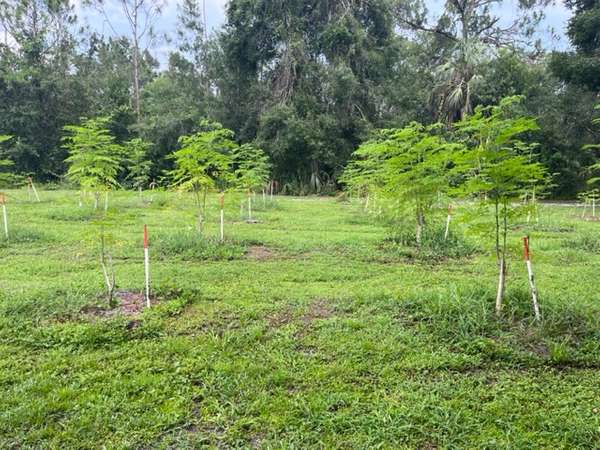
x=32, y=186
x=147, y=266
x=534, y=297
x=222, y=203
x=4, y=214
x=448, y=220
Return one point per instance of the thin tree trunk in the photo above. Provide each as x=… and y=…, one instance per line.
x=249, y=207
x=107, y=270
x=420, y=224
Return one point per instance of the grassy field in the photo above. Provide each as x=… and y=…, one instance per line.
x=306, y=330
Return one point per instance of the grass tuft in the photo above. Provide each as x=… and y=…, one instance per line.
x=191, y=245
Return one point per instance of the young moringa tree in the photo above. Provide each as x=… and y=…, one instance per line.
x=95, y=159
x=203, y=163
x=498, y=169
x=409, y=166
x=592, y=195
x=138, y=164
x=7, y=177
x=251, y=170
x=363, y=174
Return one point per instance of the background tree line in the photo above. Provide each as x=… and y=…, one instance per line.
x=307, y=81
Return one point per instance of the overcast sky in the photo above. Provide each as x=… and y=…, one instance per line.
x=556, y=20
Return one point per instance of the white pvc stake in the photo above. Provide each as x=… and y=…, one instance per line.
x=147, y=266
x=106, y=201
x=271, y=189
x=222, y=203
x=534, y=297
x=249, y=206
x=32, y=186
x=448, y=220
x=264, y=197
x=3, y=203
x=585, y=203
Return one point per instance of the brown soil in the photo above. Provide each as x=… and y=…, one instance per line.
x=259, y=252
x=129, y=303
x=319, y=309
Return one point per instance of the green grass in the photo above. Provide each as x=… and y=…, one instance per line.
x=314, y=328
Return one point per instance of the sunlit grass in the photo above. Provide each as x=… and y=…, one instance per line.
x=316, y=327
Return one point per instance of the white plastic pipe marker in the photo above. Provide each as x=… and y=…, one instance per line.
x=534, y=297
x=222, y=203
x=448, y=220
x=146, y=266
x=3, y=203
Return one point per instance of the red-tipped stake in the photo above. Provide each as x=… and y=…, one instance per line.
x=448, y=220
x=147, y=266
x=222, y=203
x=3, y=203
x=534, y=299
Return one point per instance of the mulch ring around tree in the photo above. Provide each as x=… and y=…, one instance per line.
x=128, y=303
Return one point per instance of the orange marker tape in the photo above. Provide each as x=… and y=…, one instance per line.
x=145, y=236
x=526, y=247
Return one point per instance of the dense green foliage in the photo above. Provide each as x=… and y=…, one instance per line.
x=306, y=81
x=583, y=65
x=95, y=159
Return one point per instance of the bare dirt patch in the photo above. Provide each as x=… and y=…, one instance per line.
x=280, y=318
x=318, y=309
x=259, y=252
x=129, y=304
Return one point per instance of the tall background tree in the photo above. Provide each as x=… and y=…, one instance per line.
x=307, y=81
